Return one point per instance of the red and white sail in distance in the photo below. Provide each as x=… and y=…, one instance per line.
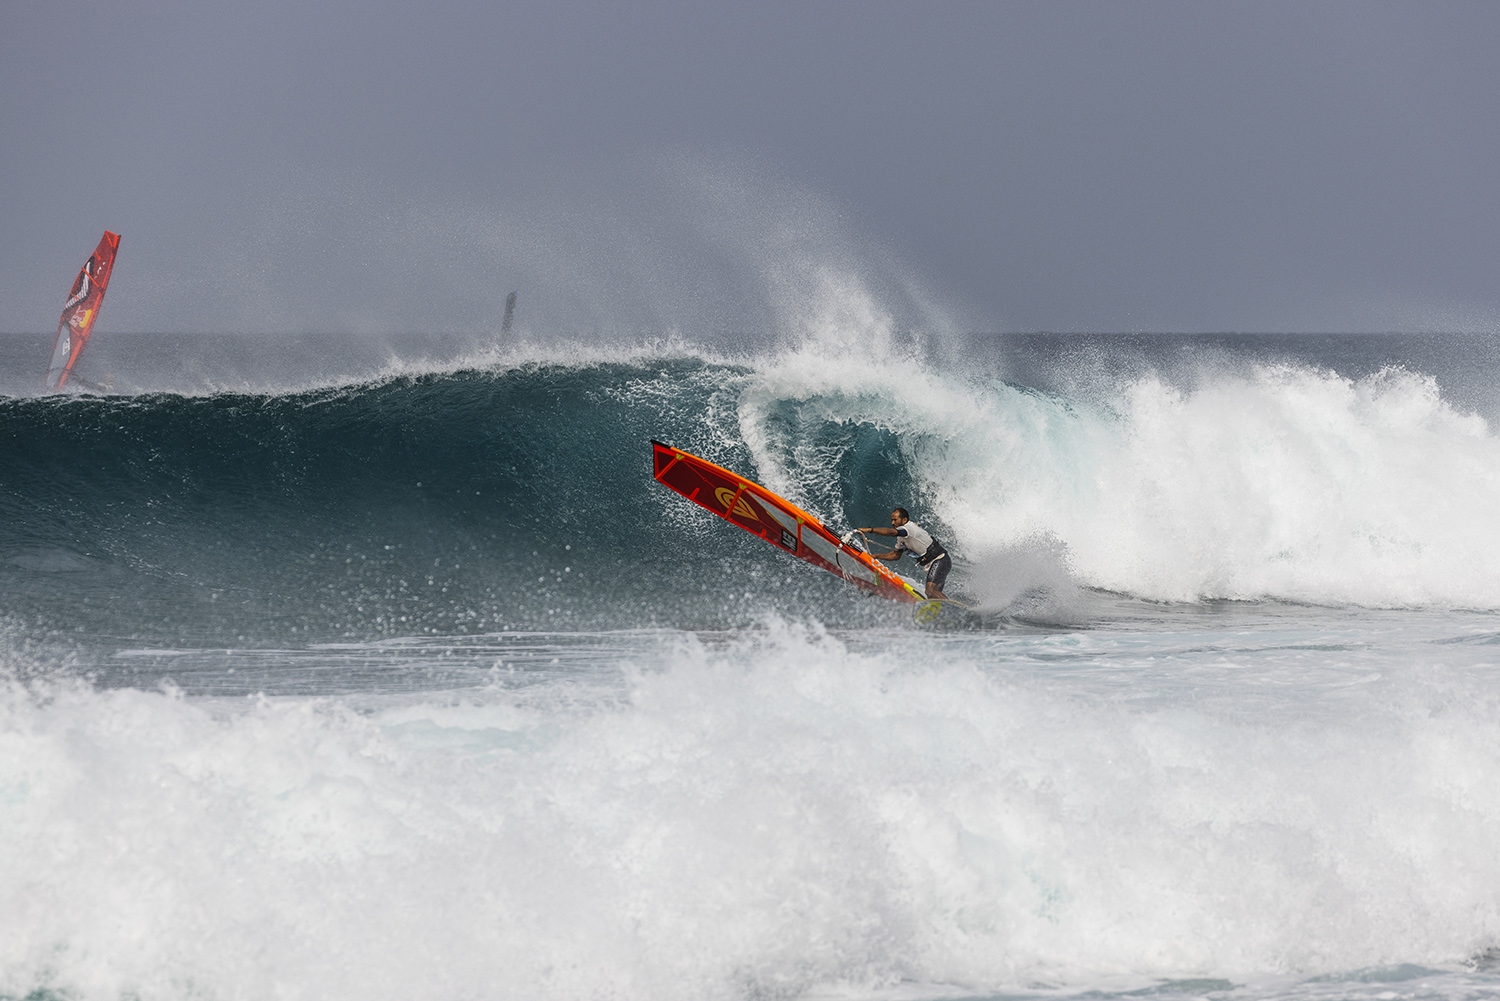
x=82, y=310
x=775, y=519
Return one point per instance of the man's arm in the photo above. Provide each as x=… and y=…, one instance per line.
x=894, y=554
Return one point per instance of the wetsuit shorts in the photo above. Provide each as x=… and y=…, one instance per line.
x=937, y=571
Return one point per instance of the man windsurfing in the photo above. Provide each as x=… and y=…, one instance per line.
x=912, y=538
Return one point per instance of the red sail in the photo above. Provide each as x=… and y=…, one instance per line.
x=775, y=519
x=82, y=310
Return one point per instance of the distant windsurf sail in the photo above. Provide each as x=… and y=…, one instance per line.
x=510, y=313
x=775, y=519
x=82, y=310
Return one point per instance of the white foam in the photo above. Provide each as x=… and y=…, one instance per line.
x=1284, y=482
x=764, y=815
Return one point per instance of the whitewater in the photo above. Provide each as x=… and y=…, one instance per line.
x=404, y=679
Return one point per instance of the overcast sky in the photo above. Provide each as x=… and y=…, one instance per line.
x=329, y=165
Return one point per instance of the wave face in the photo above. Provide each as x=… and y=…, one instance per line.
x=468, y=500
x=478, y=499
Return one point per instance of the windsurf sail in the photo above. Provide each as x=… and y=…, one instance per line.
x=510, y=313
x=82, y=310
x=777, y=520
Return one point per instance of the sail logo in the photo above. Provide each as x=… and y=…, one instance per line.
x=733, y=505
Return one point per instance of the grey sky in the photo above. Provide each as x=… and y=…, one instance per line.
x=322, y=164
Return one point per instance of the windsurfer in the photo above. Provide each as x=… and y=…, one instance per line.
x=81, y=310
x=912, y=538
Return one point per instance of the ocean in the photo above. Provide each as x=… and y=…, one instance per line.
x=357, y=668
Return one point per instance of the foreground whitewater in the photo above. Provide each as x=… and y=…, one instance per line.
x=415, y=684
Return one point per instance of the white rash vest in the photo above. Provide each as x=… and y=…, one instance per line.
x=912, y=538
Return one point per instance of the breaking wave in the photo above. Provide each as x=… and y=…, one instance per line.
x=519, y=495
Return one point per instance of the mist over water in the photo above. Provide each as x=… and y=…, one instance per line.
x=342, y=665
x=720, y=250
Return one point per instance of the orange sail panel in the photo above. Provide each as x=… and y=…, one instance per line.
x=82, y=310
x=775, y=519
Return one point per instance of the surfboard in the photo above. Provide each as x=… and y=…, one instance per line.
x=81, y=310
x=944, y=613
x=777, y=520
